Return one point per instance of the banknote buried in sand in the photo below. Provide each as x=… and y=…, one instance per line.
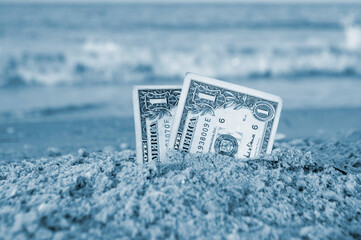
x=204, y=115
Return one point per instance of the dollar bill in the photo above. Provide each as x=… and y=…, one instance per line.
x=224, y=118
x=154, y=110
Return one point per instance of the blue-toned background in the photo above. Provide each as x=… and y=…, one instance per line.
x=64, y=62
x=68, y=167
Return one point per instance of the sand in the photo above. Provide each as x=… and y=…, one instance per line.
x=307, y=188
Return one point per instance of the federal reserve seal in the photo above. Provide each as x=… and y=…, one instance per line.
x=226, y=144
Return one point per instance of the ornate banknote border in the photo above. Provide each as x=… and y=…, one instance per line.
x=155, y=111
x=223, y=98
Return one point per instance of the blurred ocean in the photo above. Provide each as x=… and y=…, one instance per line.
x=60, y=58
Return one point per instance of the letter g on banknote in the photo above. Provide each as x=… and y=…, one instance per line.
x=220, y=117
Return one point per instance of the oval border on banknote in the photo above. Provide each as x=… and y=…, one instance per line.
x=260, y=108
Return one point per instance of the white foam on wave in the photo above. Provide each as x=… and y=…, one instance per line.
x=44, y=76
x=101, y=57
x=114, y=62
x=352, y=34
x=101, y=47
x=108, y=61
x=353, y=37
x=32, y=71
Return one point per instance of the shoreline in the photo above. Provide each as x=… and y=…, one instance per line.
x=54, y=137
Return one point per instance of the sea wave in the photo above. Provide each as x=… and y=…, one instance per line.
x=48, y=111
x=107, y=62
x=175, y=17
x=216, y=25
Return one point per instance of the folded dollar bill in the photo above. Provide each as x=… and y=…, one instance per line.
x=220, y=117
x=154, y=110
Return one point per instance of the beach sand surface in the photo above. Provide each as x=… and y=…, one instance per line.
x=78, y=179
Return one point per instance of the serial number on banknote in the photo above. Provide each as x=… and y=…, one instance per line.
x=215, y=116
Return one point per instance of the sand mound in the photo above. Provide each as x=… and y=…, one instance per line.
x=305, y=189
